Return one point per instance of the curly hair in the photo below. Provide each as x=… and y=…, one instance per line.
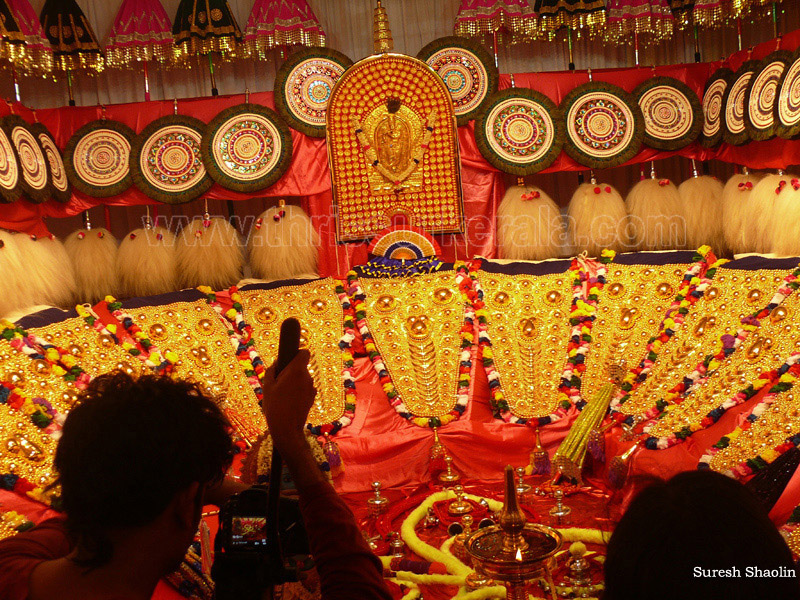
x=129, y=447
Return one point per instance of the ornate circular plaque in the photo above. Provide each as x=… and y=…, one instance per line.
x=712, y=107
x=673, y=115
x=165, y=160
x=304, y=84
x=759, y=114
x=604, y=125
x=33, y=169
x=10, y=177
x=467, y=70
x=60, y=189
x=787, y=104
x=733, y=130
x=521, y=132
x=97, y=158
x=247, y=148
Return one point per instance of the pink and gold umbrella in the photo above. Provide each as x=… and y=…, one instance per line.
x=24, y=46
x=647, y=21
x=277, y=23
x=142, y=32
x=512, y=20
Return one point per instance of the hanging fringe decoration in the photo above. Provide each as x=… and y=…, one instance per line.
x=761, y=212
x=528, y=225
x=701, y=202
x=783, y=232
x=333, y=456
x=736, y=210
x=48, y=271
x=209, y=252
x=17, y=290
x=283, y=244
x=93, y=254
x=654, y=208
x=597, y=219
x=146, y=263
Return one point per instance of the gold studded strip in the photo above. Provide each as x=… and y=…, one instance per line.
x=528, y=323
x=732, y=295
x=632, y=305
x=318, y=309
x=194, y=332
x=415, y=324
x=25, y=450
x=764, y=350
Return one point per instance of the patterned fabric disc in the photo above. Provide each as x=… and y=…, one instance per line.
x=60, y=189
x=787, y=107
x=734, y=131
x=466, y=69
x=759, y=117
x=166, y=160
x=10, y=180
x=604, y=125
x=97, y=158
x=673, y=115
x=35, y=183
x=247, y=148
x=521, y=131
x=303, y=87
x=716, y=86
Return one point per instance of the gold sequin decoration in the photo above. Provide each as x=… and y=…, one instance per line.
x=194, y=332
x=316, y=306
x=418, y=338
x=718, y=312
x=529, y=327
x=764, y=350
x=627, y=317
x=25, y=450
x=779, y=421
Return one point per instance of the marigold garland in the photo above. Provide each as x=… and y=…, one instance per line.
x=781, y=381
x=693, y=286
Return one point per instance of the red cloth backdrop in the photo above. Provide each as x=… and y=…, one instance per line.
x=309, y=178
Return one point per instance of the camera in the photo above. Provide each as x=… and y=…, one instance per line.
x=247, y=562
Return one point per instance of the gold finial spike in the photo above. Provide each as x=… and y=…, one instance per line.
x=512, y=520
x=381, y=34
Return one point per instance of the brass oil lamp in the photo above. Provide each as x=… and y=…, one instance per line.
x=515, y=551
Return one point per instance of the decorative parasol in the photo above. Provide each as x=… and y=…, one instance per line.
x=734, y=131
x=33, y=167
x=520, y=132
x=60, y=186
x=572, y=14
x=787, y=104
x=203, y=27
x=647, y=21
x=713, y=95
x=682, y=12
x=141, y=32
x=276, y=23
x=762, y=95
x=246, y=147
x=23, y=45
x=512, y=21
x=673, y=115
x=466, y=69
x=97, y=158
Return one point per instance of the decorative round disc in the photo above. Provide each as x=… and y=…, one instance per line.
x=60, y=188
x=712, y=107
x=467, y=70
x=787, y=106
x=97, y=158
x=35, y=180
x=403, y=241
x=303, y=86
x=673, y=115
x=521, y=132
x=759, y=114
x=604, y=125
x=10, y=177
x=247, y=148
x=733, y=130
x=165, y=160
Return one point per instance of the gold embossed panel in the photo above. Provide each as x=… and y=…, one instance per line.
x=319, y=311
x=732, y=294
x=416, y=326
x=25, y=450
x=631, y=307
x=393, y=148
x=764, y=350
x=529, y=328
x=194, y=332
